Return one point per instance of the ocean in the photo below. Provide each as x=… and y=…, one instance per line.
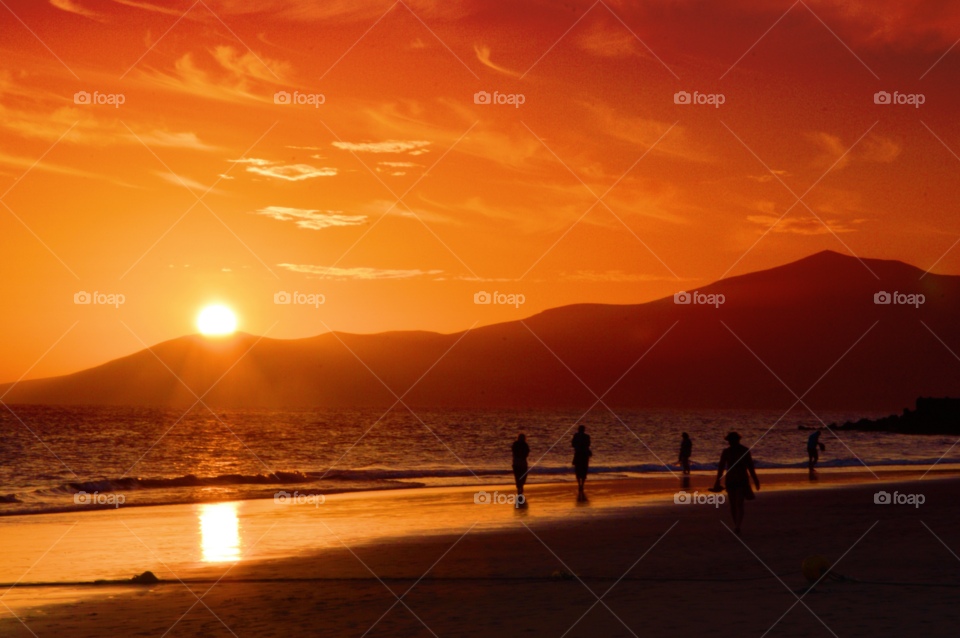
x=49, y=455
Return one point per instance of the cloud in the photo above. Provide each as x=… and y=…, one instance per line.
x=390, y=146
x=150, y=7
x=483, y=54
x=874, y=148
x=292, y=172
x=32, y=164
x=607, y=41
x=312, y=219
x=174, y=140
x=645, y=132
x=289, y=172
x=192, y=184
x=74, y=7
x=832, y=151
x=86, y=128
x=613, y=276
x=235, y=77
x=768, y=177
x=358, y=273
x=877, y=148
x=806, y=225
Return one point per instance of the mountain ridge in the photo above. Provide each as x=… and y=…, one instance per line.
x=799, y=319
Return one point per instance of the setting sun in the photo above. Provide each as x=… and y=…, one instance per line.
x=216, y=320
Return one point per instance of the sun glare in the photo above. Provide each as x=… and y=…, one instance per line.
x=216, y=320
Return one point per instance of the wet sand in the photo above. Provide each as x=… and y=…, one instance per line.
x=492, y=569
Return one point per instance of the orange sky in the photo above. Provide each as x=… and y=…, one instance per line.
x=303, y=197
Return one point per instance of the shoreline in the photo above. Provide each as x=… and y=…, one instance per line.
x=460, y=571
x=548, y=479
x=212, y=533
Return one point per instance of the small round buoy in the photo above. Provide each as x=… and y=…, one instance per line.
x=814, y=567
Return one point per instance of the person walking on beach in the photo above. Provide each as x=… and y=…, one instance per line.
x=737, y=462
x=520, y=453
x=686, y=450
x=813, y=442
x=581, y=459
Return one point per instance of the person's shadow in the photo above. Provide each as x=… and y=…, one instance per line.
x=685, y=482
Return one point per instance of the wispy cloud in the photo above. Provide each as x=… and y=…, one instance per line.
x=613, y=276
x=807, y=225
x=607, y=40
x=23, y=162
x=358, y=273
x=182, y=180
x=312, y=219
x=483, y=54
x=412, y=147
x=289, y=172
x=75, y=7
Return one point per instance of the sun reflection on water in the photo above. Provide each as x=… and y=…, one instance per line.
x=219, y=532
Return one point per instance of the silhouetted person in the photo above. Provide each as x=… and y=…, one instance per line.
x=812, y=444
x=581, y=459
x=520, y=453
x=686, y=450
x=736, y=460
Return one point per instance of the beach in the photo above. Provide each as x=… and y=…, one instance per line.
x=465, y=568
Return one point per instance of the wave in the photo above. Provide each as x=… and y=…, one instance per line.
x=106, y=485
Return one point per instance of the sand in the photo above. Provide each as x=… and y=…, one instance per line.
x=658, y=566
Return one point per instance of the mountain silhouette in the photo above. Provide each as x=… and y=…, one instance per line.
x=813, y=322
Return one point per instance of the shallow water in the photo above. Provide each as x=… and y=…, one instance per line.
x=152, y=456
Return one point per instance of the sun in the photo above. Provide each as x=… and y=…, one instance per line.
x=216, y=320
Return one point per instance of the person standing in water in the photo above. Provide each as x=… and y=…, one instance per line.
x=686, y=450
x=520, y=453
x=737, y=462
x=812, y=443
x=581, y=459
